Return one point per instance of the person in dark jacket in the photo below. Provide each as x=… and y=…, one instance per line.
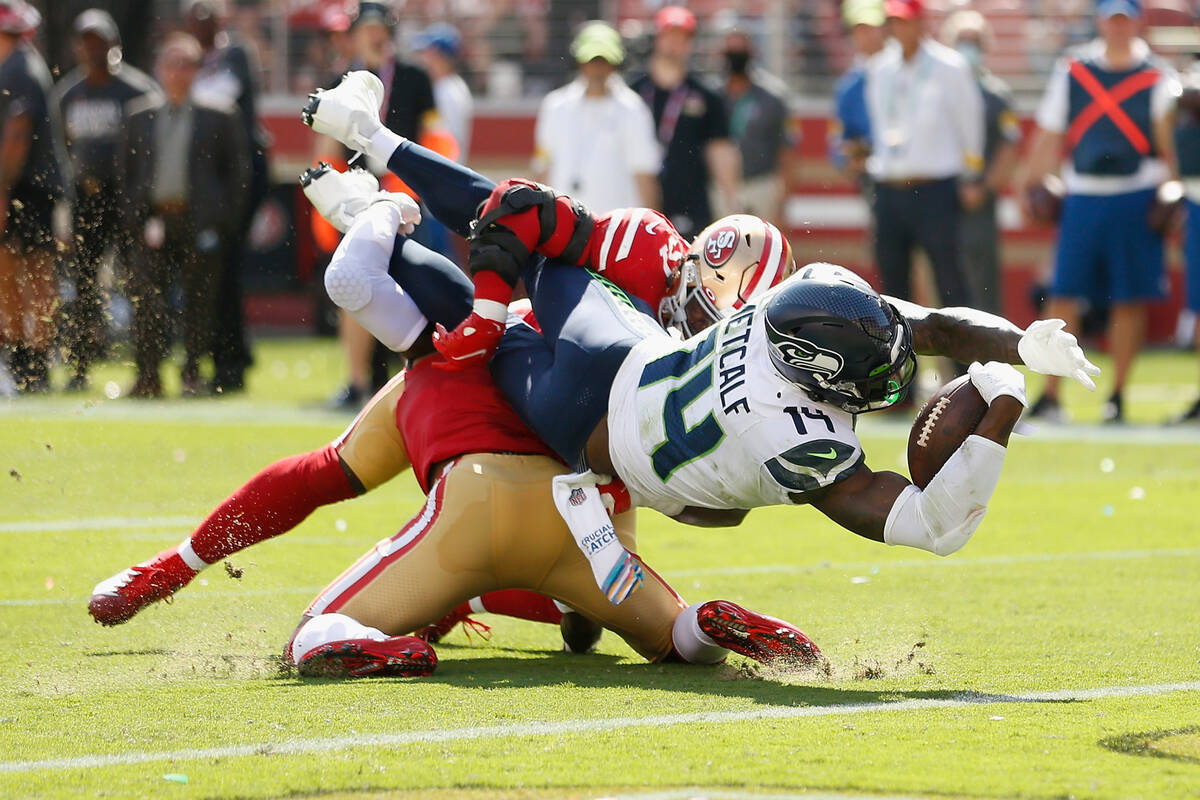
x=92, y=101
x=186, y=168
x=230, y=73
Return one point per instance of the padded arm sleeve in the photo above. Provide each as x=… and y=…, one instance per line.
x=942, y=518
x=357, y=279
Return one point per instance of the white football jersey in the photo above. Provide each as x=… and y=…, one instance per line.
x=709, y=422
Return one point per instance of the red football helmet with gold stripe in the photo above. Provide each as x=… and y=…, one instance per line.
x=730, y=263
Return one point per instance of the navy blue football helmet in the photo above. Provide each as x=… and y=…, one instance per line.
x=831, y=334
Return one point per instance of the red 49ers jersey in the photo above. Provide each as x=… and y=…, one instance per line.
x=639, y=250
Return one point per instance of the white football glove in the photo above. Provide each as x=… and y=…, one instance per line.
x=1050, y=350
x=349, y=112
x=340, y=197
x=994, y=379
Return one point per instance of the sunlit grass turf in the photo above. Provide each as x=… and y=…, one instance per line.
x=1084, y=575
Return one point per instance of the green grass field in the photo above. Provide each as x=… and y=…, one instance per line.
x=1057, y=655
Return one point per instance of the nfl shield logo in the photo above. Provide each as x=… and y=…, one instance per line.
x=577, y=497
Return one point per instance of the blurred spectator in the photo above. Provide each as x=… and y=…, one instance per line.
x=594, y=137
x=1187, y=143
x=760, y=124
x=229, y=75
x=437, y=47
x=968, y=33
x=32, y=180
x=186, y=168
x=92, y=100
x=692, y=125
x=336, y=24
x=926, y=153
x=1110, y=104
x=409, y=110
x=850, y=133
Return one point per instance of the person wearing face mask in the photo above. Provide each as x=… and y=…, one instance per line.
x=967, y=32
x=759, y=123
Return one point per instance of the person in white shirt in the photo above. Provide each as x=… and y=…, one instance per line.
x=437, y=47
x=927, y=134
x=595, y=136
x=1110, y=105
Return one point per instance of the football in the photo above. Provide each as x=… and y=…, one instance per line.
x=942, y=424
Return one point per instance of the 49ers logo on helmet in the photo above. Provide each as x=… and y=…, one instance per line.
x=720, y=245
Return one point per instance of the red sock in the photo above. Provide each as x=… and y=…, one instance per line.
x=520, y=603
x=274, y=501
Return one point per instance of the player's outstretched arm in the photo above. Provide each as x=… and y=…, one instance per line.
x=967, y=334
x=941, y=518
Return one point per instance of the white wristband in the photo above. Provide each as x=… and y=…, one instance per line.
x=943, y=517
x=382, y=144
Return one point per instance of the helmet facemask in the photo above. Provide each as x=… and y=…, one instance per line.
x=816, y=369
x=728, y=265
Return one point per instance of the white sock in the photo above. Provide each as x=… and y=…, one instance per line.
x=476, y=605
x=326, y=628
x=189, y=556
x=692, y=643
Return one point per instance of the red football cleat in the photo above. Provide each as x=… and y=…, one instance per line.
x=435, y=631
x=402, y=656
x=757, y=636
x=117, y=599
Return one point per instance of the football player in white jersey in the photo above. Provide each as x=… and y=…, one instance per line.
x=701, y=428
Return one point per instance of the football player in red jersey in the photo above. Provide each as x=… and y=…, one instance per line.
x=389, y=433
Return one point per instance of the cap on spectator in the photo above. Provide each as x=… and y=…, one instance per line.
x=18, y=17
x=904, y=9
x=440, y=36
x=334, y=19
x=204, y=9
x=863, y=12
x=598, y=40
x=674, y=17
x=966, y=22
x=99, y=22
x=378, y=13
x=1111, y=8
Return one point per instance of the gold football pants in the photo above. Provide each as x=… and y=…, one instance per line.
x=490, y=523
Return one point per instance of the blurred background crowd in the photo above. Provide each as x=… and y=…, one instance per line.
x=150, y=148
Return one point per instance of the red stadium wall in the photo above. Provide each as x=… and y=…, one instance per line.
x=502, y=144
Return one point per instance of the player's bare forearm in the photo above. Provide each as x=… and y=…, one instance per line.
x=711, y=517
x=963, y=334
x=862, y=502
x=998, y=421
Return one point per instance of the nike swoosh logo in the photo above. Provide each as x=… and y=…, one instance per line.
x=830, y=455
x=652, y=227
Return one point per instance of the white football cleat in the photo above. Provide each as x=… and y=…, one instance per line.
x=349, y=112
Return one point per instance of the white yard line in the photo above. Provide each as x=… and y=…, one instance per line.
x=750, y=569
x=574, y=726
x=96, y=524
